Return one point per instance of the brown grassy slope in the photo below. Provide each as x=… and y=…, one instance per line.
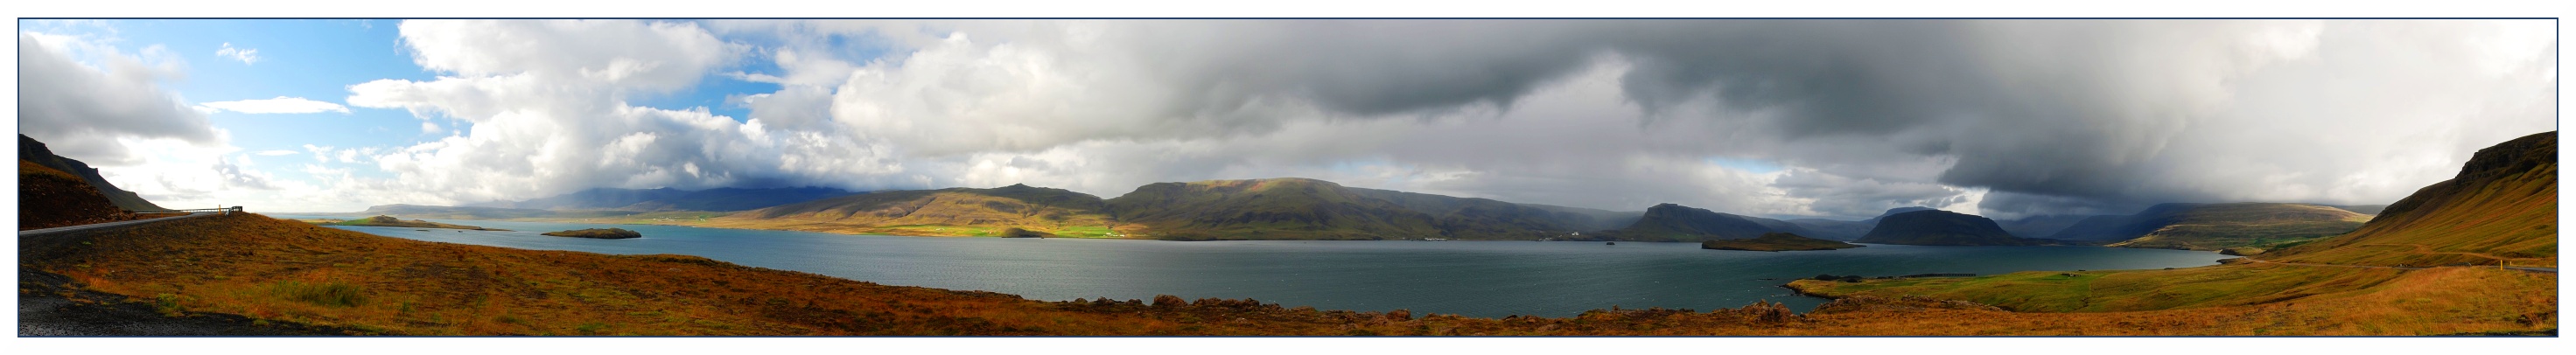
x=49, y=198
x=945, y=212
x=288, y=271
x=2453, y=300
x=2501, y=208
x=2125, y=290
x=266, y=268
x=2320, y=299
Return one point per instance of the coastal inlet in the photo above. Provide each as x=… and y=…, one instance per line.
x=1472, y=278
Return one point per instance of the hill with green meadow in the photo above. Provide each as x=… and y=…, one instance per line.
x=2502, y=208
x=2214, y=226
x=943, y=212
x=1477, y=218
x=1283, y=208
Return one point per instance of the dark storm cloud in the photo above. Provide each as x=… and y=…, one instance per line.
x=2016, y=116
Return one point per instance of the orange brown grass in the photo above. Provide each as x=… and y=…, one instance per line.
x=237, y=264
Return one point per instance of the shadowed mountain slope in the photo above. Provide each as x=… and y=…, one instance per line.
x=1677, y=223
x=1937, y=227
x=30, y=150
x=1847, y=230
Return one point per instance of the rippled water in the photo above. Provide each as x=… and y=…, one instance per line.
x=1482, y=279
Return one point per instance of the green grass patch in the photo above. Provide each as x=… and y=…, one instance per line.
x=1082, y=233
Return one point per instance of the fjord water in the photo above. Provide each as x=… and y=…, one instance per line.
x=1479, y=279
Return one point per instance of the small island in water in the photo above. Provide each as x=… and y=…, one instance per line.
x=1776, y=242
x=597, y=233
x=390, y=221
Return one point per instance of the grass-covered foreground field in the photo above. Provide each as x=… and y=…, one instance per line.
x=287, y=272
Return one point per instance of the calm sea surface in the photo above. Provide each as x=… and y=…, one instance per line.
x=1480, y=279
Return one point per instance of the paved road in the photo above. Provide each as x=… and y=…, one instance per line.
x=109, y=225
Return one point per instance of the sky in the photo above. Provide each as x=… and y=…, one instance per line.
x=1783, y=118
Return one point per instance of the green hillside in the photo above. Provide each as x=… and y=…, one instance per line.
x=1476, y=218
x=2229, y=225
x=1282, y=208
x=944, y=212
x=2215, y=226
x=2501, y=209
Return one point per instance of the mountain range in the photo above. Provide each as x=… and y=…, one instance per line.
x=1299, y=208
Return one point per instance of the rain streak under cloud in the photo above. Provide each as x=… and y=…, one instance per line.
x=1835, y=118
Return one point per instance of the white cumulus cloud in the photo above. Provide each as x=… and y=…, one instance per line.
x=245, y=55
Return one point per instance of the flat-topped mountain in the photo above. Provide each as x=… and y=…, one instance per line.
x=2502, y=208
x=2039, y=226
x=1677, y=223
x=1847, y=230
x=1937, y=227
